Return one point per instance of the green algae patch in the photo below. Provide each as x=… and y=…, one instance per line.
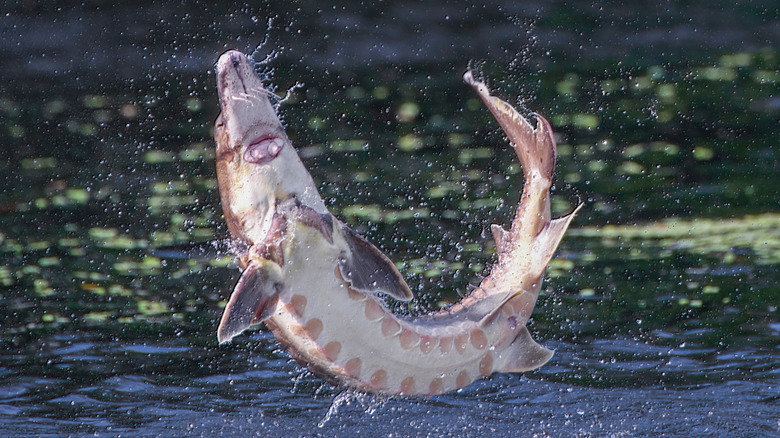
x=111, y=239
x=158, y=157
x=758, y=233
x=407, y=112
x=375, y=213
x=198, y=152
x=355, y=145
x=39, y=163
x=466, y=156
x=162, y=188
x=147, y=266
x=97, y=317
x=410, y=143
x=147, y=308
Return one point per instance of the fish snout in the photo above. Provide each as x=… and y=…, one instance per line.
x=248, y=118
x=231, y=59
x=235, y=76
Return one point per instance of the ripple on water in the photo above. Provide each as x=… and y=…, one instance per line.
x=13, y=390
x=130, y=384
x=72, y=349
x=9, y=409
x=154, y=349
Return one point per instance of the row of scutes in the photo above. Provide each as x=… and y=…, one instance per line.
x=408, y=339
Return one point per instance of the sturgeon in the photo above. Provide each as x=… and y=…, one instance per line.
x=318, y=285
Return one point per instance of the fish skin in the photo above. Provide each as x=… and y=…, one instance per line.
x=317, y=284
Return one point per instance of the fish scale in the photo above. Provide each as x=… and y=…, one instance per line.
x=318, y=285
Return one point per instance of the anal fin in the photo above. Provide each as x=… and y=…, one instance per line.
x=253, y=299
x=523, y=354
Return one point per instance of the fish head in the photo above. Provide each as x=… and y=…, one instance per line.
x=248, y=125
x=256, y=163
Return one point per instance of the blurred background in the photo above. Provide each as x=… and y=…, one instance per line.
x=115, y=261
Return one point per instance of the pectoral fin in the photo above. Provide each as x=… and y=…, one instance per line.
x=252, y=300
x=292, y=208
x=523, y=354
x=368, y=270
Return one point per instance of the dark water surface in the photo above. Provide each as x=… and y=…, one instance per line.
x=661, y=304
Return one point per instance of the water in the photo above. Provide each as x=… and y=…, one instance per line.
x=661, y=304
x=174, y=388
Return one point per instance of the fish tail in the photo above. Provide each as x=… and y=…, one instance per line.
x=534, y=236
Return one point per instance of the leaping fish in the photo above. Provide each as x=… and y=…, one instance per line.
x=317, y=284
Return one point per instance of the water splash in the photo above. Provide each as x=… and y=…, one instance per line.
x=369, y=403
x=273, y=54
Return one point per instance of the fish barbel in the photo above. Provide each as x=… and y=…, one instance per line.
x=317, y=284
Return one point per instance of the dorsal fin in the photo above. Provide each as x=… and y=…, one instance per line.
x=500, y=236
x=549, y=238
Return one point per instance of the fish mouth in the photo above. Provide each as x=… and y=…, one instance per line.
x=263, y=151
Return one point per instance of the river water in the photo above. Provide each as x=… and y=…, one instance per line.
x=661, y=303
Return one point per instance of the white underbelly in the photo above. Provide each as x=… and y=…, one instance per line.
x=351, y=336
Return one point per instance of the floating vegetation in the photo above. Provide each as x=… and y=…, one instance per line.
x=146, y=266
x=466, y=156
x=375, y=213
x=39, y=163
x=429, y=268
x=758, y=233
x=147, y=308
x=198, y=152
x=407, y=112
x=158, y=157
x=355, y=145
x=410, y=143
